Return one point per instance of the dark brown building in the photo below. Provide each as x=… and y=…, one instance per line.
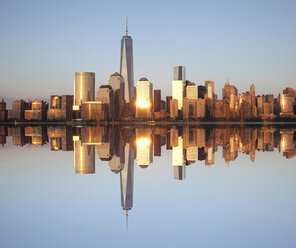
x=168, y=99
x=201, y=91
x=157, y=101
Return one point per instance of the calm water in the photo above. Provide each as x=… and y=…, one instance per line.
x=147, y=187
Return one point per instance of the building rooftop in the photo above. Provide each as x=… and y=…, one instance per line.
x=105, y=86
x=143, y=79
x=116, y=74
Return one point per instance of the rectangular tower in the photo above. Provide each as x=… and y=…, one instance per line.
x=179, y=73
x=127, y=67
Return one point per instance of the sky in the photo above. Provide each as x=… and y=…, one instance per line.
x=43, y=43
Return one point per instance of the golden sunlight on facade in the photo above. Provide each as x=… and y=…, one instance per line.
x=144, y=99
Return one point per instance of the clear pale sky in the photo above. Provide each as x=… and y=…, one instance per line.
x=43, y=43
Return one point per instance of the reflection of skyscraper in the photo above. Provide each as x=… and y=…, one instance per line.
x=178, y=154
x=127, y=67
x=116, y=164
x=144, y=147
x=178, y=85
x=179, y=172
x=127, y=178
x=178, y=160
x=144, y=98
x=84, y=157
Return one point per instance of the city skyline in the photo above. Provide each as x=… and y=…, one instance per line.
x=249, y=51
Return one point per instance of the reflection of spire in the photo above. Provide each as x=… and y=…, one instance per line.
x=126, y=219
x=127, y=179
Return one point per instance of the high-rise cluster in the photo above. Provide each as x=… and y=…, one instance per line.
x=120, y=100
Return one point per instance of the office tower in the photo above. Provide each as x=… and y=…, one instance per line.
x=84, y=157
x=191, y=91
x=178, y=92
x=260, y=104
x=290, y=91
x=61, y=108
x=253, y=100
x=174, y=111
x=127, y=67
x=200, y=108
x=201, y=91
x=168, y=99
x=222, y=109
x=210, y=88
x=116, y=81
x=18, y=110
x=105, y=95
x=84, y=88
x=287, y=102
x=229, y=93
x=189, y=102
x=179, y=73
x=144, y=98
x=38, y=111
x=268, y=106
x=94, y=110
x=127, y=178
x=157, y=101
x=55, y=102
x=3, y=111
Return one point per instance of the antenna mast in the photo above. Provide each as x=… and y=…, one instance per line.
x=126, y=26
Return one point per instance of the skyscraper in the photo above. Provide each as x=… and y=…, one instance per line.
x=210, y=86
x=116, y=81
x=127, y=67
x=179, y=73
x=191, y=91
x=84, y=87
x=253, y=100
x=178, y=92
x=144, y=98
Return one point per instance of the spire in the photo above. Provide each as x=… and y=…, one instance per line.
x=126, y=26
x=126, y=220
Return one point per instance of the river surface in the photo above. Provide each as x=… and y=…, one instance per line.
x=147, y=187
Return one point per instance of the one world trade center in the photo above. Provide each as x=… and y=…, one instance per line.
x=126, y=66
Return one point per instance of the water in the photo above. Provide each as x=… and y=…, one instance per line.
x=148, y=187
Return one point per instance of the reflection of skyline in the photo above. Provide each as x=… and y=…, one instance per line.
x=188, y=144
x=120, y=147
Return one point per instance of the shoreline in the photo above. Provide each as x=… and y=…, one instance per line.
x=145, y=123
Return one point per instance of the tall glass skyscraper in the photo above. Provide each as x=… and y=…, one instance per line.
x=127, y=67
